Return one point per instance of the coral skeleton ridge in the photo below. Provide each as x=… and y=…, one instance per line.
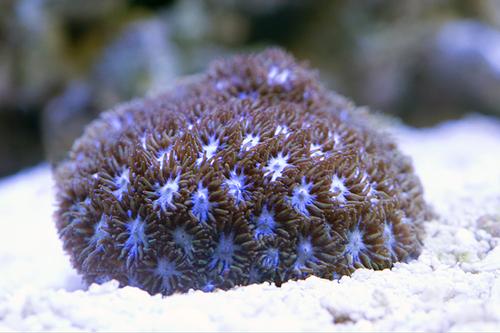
x=250, y=172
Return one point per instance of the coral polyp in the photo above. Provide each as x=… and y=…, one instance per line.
x=250, y=172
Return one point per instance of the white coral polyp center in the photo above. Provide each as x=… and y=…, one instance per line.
x=338, y=189
x=282, y=129
x=166, y=194
x=271, y=258
x=389, y=239
x=121, y=183
x=183, y=240
x=208, y=150
x=136, y=237
x=315, y=150
x=249, y=142
x=355, y=244
x=276, y=166
x=201, y=204
x=265, y=224
x=302, y=198
x=277, y=76
x=236, y=186
x=100, y=232
x=166, y=270
x=305, y=253
x=223, y=255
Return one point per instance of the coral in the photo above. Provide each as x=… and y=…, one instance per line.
x=248, y=173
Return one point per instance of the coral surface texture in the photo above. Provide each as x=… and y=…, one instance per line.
x=250, y=172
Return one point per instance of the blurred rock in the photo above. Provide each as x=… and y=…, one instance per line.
x=39, y=40
x=384, y=55
x=30, y=70
x=34, y=52
x=141, y=60
x=85, y=10
x=65, y=116
x=20, y=141
x=464, y=67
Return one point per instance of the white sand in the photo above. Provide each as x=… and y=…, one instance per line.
x=453, y=286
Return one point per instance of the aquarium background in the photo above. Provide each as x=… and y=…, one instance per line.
x=62, y=62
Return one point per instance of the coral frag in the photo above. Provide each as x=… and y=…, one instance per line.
x=251, y=172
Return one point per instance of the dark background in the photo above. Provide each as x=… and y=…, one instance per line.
x=64, y=61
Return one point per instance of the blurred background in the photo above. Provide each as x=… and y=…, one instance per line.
x=64, y=61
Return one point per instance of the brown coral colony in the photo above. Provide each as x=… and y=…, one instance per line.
x=251, y=172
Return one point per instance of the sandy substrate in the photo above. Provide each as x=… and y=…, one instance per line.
x=453, y=286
